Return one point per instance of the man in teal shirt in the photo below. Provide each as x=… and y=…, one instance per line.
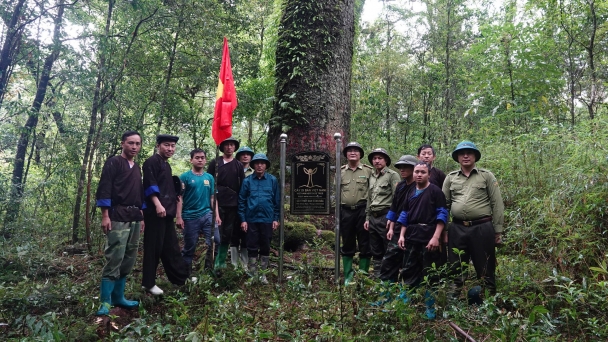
x=194, y=210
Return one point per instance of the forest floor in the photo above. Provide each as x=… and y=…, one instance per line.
x=54, y=297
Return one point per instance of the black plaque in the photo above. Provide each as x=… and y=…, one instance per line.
x=310, y=183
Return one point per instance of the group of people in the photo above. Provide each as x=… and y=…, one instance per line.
x=246, y=213
x=400, y=220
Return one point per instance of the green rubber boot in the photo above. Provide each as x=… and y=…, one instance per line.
x=106, y=288
x=364, y=265
x=118, y=295
x=220, y=260
x=348, y=269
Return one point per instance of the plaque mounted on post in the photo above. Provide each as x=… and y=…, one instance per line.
x=310, y=183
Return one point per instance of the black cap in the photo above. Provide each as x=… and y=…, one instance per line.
x=166, y=137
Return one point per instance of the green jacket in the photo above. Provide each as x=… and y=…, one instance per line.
x=381, y=190
x=471, y=198
x=355, y=184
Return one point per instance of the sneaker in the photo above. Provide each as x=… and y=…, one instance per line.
x=154, y=290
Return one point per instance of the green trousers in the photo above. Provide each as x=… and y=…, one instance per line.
x=121, y=249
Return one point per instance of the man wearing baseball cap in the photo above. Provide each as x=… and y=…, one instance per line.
x=382, y=185
x=353, y=200
x=477, y=210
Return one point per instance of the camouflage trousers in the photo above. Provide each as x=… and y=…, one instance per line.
x=121, y=249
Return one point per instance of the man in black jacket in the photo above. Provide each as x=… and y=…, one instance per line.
x=229, y=176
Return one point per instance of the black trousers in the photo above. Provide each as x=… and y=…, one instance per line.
x=377, y=236
x=258, y=239
x=230, y=222
x=160, y=243
x=352, y=231
x=393, y=258
x=239, y=237
x=477, y=243
x=417, y=263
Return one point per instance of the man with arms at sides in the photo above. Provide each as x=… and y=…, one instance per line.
x=382, y=185
x=120, y=196
x=195, y=209
x=353, y=199
x=160, y=239
x=423, y=218
x=230, y=176
x=238, y=244
x=477, y=210
x=426, y=153
x=259, y=210
x=393, y=259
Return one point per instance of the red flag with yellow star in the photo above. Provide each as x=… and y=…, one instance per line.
x=225, y=102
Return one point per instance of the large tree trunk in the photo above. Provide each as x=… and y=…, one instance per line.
x=313, y=74
x=31, y=123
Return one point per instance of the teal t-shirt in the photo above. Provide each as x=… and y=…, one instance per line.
x=197, y=194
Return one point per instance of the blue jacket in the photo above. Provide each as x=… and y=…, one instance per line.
x=259, y=199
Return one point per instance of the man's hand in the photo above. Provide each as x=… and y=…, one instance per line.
x=389, y=224
x=106, y=224
x=433, y=244
x=275, y=225
x=366, y=225
x=179, y=223
x=160, y=211
x=244, y=226
x=218, y=220
x=401, y=242
x=498, y=239
x=142, y=226
x=390, y=233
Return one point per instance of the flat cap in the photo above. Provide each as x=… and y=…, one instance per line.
x=166, y=137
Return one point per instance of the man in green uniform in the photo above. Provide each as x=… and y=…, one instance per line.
x=355, y=184
x=476, y=207
x=382, y=185
x=238, y=243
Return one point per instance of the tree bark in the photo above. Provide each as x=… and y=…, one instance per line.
x=31, y=123
x=313, y=75
x=10, y=47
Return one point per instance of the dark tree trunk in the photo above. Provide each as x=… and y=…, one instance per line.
x=10, y=46
x=313, y=74
x=30, y=125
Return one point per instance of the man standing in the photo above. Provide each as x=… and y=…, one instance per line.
x=354, y=188
x=382, y=185
x=230, y=176
x=160, y=239
x=259, y=210
x=195, y=209
x=121, y=197
x=426, y=153
x=393, y=258
x=423, y=217
x=476, y=206
x=238, y=244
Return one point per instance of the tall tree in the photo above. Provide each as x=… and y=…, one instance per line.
x=313, y=75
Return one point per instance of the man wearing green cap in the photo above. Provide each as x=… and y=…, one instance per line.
x=238, y=243
x=229, y=177
x=353, y=198
x=382, y=185
x=476, y=206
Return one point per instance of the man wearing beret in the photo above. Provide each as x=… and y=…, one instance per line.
x=382, y=186
x=477, y=209
x=229, y=175
x=160, y=239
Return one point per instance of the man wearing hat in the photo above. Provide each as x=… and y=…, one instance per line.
x=259, y=210
x=229, y=176
x=160, y=239
x=382, y=185
x=354, y=188
x=238, y=243
x=476, y=206
x=120, y=196
x=393, y=258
